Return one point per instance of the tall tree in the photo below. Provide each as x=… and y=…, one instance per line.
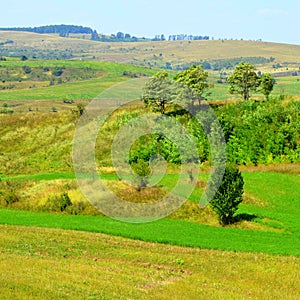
x=159, y=90
x=266, y=84
x=195, y=78
x=120, y=35
x=229, y=195
x=94, y=35
x=243, y=80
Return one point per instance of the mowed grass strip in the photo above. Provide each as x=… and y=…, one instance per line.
x=165, y=231
x=40, y=263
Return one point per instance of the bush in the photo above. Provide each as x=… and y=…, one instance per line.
x=57, y=203
x=229, y=195
x=26, y=69
x=142, y=170
x=57, y=71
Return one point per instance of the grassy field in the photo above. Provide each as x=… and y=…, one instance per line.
x=27, y=96
x=87, y=89
x=269, y=220
x=64, y=264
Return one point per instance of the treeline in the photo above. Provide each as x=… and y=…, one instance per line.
x=181, y=37
x=118, y=37
x=62, y=30
x=221, y=64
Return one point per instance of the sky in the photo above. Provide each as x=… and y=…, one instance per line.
x=269, y=20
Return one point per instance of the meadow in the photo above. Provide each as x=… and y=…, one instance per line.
x=76, y=252
x=67, y=264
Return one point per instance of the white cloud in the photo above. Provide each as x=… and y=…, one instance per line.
x=273, y=12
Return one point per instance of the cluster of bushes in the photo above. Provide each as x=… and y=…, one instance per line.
x=228, y=63
x=11, y=196
x=266, y=132
x=132, y=74
x=55, y=75
x=38, y=54
x=255, y=133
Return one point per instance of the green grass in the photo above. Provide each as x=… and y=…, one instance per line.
x=272, y=201
x=165, y=231
x=87, y=89
x=113, y=74
x=281, y=195
x=41, y=263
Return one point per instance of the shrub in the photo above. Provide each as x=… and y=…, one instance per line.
x=57, y=71
x=142, y=170
x=57, y=203
x=229, y=195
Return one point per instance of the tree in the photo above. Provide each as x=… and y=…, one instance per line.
x=243, y=80
x=266, y=84
x=142, y=171
x=229, y=196
x=94, y=35
x=194, y=78
x=120, y=35
x=159, y=90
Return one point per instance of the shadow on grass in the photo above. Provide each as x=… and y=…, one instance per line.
x=244, y=217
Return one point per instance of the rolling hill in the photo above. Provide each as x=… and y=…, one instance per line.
x=153, y=53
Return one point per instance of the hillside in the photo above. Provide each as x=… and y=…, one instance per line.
x=153, y=53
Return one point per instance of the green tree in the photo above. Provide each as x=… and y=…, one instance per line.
x=142, y=170
x=266, y=84
x=229, y=195
x=195, y=78
x=159, y=90
x=243, y=80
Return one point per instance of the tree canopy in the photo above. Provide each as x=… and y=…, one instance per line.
x=159, y=90
x=243, y=80
x=195, y=78
x=266, y=84
x=229, y=195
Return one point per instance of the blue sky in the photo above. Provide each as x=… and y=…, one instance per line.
x=275, y=21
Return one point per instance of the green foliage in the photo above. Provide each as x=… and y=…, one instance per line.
x=79, y=111
x=266, y=84
x=243, y=80
x=26, y=69
x=194, y=78
x=158, y=92
x=142, y=170
x=58, y=29
x=229, y=195
x=9, y=192
x=261, y=133
x=57, y=203
x=57, y=71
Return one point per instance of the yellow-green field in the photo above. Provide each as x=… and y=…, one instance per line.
x=39, y=263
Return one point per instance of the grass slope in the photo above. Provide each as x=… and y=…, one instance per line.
x=62, y=264
x=87, y=89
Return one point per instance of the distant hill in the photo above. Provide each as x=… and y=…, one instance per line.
x=216, y=54
x=62, y=30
